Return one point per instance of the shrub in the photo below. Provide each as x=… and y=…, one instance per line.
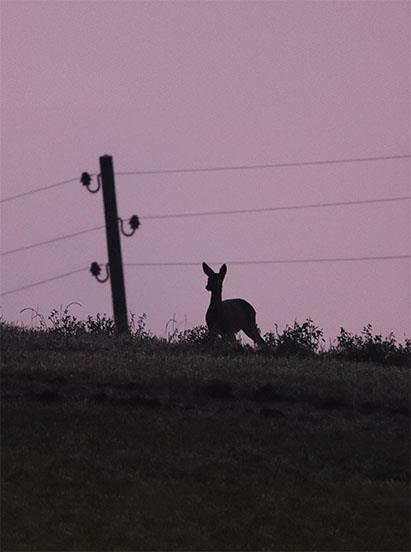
x=201, y=339
x=138, y=329
x=303, y=339
x=64, y=331
x=199, y=335
x=61, y=330
x=64, y=323
x=369, y=347
x=100, y=325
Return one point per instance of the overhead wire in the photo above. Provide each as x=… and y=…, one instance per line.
x=219, y=169
x=52, y=240
x=215, y=213
x=198, y=263
x=272, y=209
x=47, y=280
x=264, y=166
x=276, y=261
x=36, y=190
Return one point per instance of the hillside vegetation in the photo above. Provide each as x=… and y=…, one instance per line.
x=132, y=443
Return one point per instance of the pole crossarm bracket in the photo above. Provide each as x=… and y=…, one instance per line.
x=134, y=223
x=95, y=270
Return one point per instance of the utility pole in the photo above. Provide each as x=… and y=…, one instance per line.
x=118, y=291
x=114, y=266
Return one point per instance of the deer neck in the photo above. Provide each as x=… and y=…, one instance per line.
x=216, y=298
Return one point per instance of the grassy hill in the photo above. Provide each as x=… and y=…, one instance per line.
x=129, y=444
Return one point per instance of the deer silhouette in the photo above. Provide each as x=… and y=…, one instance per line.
x=228, y=317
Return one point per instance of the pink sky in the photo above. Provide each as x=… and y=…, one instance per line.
x=166, y=85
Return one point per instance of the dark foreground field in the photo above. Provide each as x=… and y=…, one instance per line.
x=127, y=448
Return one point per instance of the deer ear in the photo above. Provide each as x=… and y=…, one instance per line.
x=207, y=270
x=223, y=270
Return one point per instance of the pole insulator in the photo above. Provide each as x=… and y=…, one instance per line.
x=86, y=179
x=95, y=270
x=134, y=224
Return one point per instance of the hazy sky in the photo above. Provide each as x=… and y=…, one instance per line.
x=171, y=85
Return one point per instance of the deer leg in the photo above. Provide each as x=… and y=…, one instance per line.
x=254, y=334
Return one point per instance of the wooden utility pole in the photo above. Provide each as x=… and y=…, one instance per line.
x=118, y=291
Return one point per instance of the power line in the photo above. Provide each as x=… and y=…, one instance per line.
x=30, y=192
x=281, y=208
x=53, y=240
x=264, y=166
x=9, y=292
x=278, y=261
x=215, y=213
x=198, y=263
x=216, y=169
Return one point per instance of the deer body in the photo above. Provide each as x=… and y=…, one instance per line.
x=232, y=315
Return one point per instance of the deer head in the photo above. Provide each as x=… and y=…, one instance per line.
x=215, y=279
